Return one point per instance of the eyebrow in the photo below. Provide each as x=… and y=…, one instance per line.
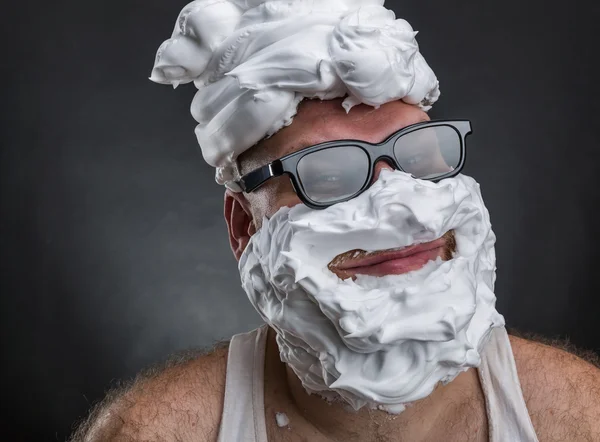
x=297, y=146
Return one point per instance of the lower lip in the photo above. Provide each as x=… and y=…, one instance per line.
x=398, y=266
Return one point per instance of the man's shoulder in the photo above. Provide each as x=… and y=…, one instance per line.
x=561, y=389
x=179, y=400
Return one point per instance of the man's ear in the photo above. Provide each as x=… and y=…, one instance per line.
x=240, y=222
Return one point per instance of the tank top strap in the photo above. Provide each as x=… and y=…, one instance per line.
x=243, y=418
x=508, y=418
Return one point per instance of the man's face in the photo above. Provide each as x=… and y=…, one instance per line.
x=320, y=121
x=389, y=320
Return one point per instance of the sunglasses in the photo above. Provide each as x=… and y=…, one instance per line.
x=336, y=171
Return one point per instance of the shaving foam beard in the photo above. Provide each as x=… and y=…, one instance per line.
x=378, y=341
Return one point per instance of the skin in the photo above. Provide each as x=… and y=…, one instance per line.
x=185, y=401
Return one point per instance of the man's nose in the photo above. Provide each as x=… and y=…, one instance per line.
x=379, y=166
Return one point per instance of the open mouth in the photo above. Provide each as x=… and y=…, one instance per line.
x=392, y=261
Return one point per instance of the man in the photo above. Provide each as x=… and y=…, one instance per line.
x=367, y=252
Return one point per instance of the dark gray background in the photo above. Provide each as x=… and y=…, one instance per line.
x=113, y=248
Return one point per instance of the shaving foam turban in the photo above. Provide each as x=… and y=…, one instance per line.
x=253, y=62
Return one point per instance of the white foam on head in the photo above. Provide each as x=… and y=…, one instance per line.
x=386, y=341
x=254, y=61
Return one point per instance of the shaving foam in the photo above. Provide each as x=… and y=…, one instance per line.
x=282, y=419
x=378, y=341
x=254, y=61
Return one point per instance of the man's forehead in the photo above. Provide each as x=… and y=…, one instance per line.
x=318, y=121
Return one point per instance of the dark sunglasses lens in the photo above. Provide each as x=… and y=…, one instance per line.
x=429, y=152
x=330, y=175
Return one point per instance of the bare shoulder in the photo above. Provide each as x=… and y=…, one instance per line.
x=180, y=400
x=562, y=390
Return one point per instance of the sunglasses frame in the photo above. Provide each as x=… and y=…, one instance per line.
x=288, y=164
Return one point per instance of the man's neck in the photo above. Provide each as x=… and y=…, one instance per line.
x=421, y=421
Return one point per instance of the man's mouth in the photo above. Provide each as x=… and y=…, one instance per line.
x=392, y=261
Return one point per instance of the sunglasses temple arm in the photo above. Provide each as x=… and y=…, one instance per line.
x=257, y=178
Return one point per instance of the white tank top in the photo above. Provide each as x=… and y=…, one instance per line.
x=243, y=417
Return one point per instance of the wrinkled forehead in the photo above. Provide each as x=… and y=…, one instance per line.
x=318, y=121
